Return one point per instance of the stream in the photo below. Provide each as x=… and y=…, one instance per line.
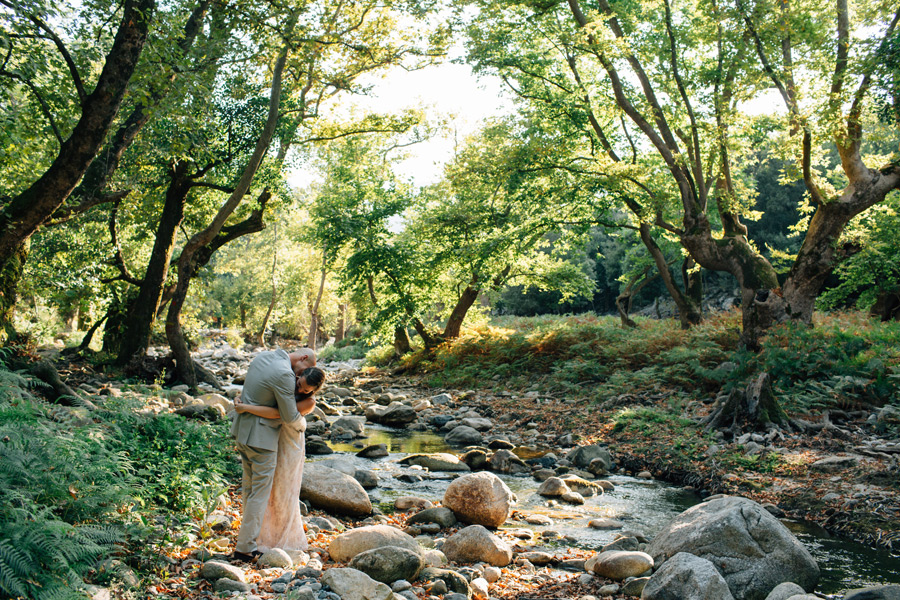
x=643, y=506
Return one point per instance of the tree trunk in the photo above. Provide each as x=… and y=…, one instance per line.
x=624, y=299
x=341, y=327
x=755, y=408
x=688, y=312
x=402, y=344
x=261, y=334
x=188, y=265
x=135, y=338
x=27, y=211
x=10, y=275
x=465, y=302
x=314, y=308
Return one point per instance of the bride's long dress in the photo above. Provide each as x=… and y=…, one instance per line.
x=282, y=525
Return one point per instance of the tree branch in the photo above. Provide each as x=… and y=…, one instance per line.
x=73, y=70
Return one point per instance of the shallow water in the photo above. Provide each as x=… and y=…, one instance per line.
x=644, y=506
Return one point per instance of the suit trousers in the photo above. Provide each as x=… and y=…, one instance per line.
x=259, y=473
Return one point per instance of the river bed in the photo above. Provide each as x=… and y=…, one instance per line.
x=644, y=506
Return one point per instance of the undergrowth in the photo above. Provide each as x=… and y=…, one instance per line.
x=78, y=487
x=846, y=361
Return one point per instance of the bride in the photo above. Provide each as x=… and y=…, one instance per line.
x=282, y=525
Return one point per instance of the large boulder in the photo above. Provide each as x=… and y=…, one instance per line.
x=351, y=584
x=334, y=491
x=388, y=564
x=479, y=498
x=347, y=545
x=752, y=550
x=686, y=577
x=439, y=461
x=476, y=544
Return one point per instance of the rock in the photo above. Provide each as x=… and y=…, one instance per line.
x=316, y=446
x=882, y=592
x=686, y=577
x=441, y=399
x=434, y=558
x=452, y=580
x=500, y=444
x=492, y=574
x=572, y=498
x=582, y=486
x=480, y=498
x=537, y=519
x=397, y=415
x=785, y=590
x=276, y=557
x=536, y=558
x=582, y=456
x=832, y=464
x=504, y=461
x=354, y=425
x=387, y=564
x=476, y=544
x=597, y=467
x=334, y=491
x=542, y=475
x=441, y=515
x=366, y=478
x=479, y=423
x=412, y=502
x=440, y=461
x=347, y=545
x=216, y=400
x=605, y=524
x=351, y=584
x=230, y=585
x=476, y=459
x=373, y=451
x=751, y=548
x=462, y=435
x=623, y=543
x=553, y=487
x=620, y=564
x=97, y=593
x=644, y=475
x=634, y=587
x=479, y=587
x=216, y=569
x=325, y=523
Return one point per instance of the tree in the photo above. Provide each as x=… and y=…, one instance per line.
x=676, y=75
x=24, y=213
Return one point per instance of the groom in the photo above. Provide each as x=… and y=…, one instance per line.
x=271, y=381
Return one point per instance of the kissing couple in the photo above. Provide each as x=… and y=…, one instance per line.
x=269, y=425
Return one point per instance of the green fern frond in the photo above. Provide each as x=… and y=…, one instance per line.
x=15, y=567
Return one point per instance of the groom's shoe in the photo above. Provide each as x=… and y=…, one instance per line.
x=246, y=556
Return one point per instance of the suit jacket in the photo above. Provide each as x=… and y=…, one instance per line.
x=270, y=381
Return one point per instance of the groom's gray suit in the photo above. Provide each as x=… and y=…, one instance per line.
x=270, y=381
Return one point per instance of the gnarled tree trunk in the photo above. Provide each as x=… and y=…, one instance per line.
x=134, y=339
